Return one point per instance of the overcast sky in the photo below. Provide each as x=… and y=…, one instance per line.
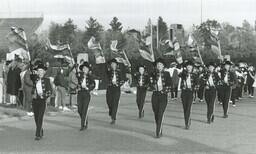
x=135, y=13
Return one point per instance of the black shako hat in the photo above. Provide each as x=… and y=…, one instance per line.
x=189, y=62
x=160, y=60
x=210, y=64
x=84, y=64
x=41, y=66
x=113, y=61
x=227, y=63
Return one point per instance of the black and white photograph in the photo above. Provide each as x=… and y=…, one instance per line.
x=127, y=76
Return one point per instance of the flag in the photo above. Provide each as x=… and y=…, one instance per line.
x=114, y=45
x=167, y=47
x=92, y=44
x=17, y=43
x=215, y=42
x=145, y=43
x=58, y=47
x=120, y=54
x=97, y=50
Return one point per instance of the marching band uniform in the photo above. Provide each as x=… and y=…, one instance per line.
x=211, y=80
x=41, y=91
x=227, y=80
x=200, y=93
x=85, y=84
x=142, y=82
x=189, y=83
x=113, y=93
x=160, y=82
x=250, y=81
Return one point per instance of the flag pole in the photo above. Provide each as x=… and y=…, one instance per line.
x=126, y=58
x=157, y=35
x=199, y=54
x=151, y=33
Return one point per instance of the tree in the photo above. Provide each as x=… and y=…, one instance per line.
x=116, y=26
x=93, y=28
x=162, y=29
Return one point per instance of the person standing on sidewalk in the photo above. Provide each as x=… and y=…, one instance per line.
x=60, y=83
x=13, y=80
x=41, y=91
x=27, y=90
x=85, y=84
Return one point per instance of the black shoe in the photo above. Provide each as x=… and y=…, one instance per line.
x=82, y=128
x=187, y=127
x=86, y=126
x=109, y=113
x=225, y=116
x=142, y=114
x=212, y=120
x=42, y=132
x=37, y=138
x=113, y=122
x=209, y=121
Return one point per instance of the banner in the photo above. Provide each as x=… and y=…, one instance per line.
x=17, y=43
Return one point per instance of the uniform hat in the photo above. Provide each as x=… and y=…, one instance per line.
x=84, y=64
x=211, y=64
x=189, y=62
x=160, y=60
x=113, y=61
x=173, y=64
x=228, y=63
x=41, y=66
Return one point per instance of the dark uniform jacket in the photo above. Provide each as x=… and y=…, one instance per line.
x=194, y=80
x=231, y=78
x=119, y=78
x=90, y=83
x=145, y=80
x=215, y=79
x=166, y=81
x=46, y=86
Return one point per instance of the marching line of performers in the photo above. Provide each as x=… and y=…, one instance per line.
x=216, y=82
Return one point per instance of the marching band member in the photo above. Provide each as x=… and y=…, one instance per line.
x=250, y=80
x=85, y=84
x=188, y=85
x=227, y=80
x=142, y=81
x=41, y=91
x=211, y=80
x=160, y=81
x=113, y=93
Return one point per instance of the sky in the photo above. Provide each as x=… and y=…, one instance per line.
x=133, y=13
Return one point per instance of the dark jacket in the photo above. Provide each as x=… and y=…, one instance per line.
x=166, y=81
x=90, y=83
x=46, y=86
x=13, y=81
x=194, y=80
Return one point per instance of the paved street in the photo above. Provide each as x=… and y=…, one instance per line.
x=132, y=135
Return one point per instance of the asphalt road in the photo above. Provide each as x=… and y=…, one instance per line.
x=237, y=134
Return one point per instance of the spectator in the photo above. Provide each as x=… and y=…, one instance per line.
x=13, y=80
x=27, y=90
x=60, y=84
